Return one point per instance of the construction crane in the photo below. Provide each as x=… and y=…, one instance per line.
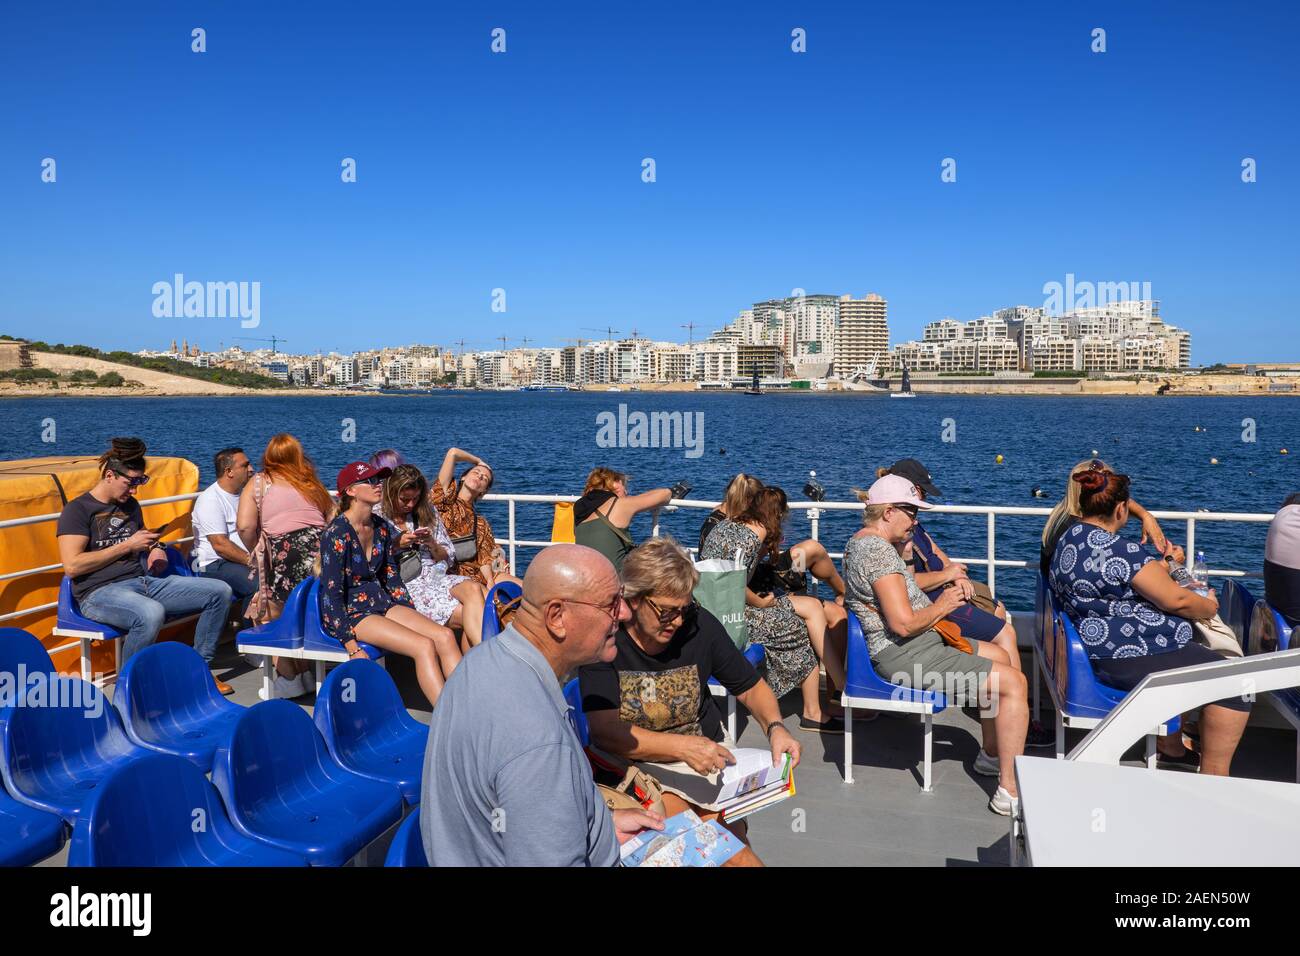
x=610, y=332
x=274, y=340
x=502, y=339
x=690, y=332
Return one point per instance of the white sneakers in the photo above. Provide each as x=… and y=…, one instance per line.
x=1003, y=803
x=285, y=688
x=987, y=766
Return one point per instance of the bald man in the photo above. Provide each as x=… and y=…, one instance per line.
x=505, y=780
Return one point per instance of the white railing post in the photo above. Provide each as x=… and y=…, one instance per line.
x=1191, y=541
x=654, y=524
x=511, y=503
x=993, y=567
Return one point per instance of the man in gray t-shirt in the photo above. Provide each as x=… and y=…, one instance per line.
x=506, y=782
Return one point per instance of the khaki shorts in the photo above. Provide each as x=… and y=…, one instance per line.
x=925, y=662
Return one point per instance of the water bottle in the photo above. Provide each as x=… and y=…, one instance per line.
x=1200, y=575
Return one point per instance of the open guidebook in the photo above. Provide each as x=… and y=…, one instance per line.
x=745, y=787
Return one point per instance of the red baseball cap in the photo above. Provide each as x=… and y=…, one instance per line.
x=359, y=471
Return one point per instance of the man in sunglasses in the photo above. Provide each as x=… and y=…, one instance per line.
x=115, y=562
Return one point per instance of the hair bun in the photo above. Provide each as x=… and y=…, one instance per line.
x=1091, y=480
x=127, y=449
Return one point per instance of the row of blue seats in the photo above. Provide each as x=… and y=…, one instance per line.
x=321, y=790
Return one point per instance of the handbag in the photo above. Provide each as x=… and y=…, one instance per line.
x=984, y=599
x=636, y=790
x=948, y=630
x=465, y=548
x=409, y=566
x=1217, y=636
x=262, y=607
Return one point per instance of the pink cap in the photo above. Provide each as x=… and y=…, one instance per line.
x=895, y=490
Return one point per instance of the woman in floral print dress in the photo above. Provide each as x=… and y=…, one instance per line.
x=362, y=597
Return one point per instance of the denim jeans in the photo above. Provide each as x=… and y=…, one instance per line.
x=139, y=606
x=236, y=575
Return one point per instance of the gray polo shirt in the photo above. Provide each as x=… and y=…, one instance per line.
x=505, y=780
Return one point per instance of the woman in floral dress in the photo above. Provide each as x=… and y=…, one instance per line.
x=442, y=597
x=362, y=597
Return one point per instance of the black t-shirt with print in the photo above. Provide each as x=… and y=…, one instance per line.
x=668, y=692
x=104, y=525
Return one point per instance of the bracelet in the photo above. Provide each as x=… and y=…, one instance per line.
x=770, y=727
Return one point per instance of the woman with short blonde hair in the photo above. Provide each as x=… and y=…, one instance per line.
x=602, y=516
x=652, y=701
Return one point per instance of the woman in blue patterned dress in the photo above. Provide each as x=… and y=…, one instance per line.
x=1133, y=618
x=361, y=593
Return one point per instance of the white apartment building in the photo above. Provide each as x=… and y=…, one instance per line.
x=863, y=333
x=715, y=362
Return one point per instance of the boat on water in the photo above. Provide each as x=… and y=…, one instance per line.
x=906, y=390
x=754, y=389
x=537, y=387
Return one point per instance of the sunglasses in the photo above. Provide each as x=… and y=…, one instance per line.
x=668, y=614
x=373, y=481
x=610, y=609
x=132, y=482
x=909, y=510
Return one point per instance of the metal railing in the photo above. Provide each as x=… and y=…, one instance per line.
x=813, y=509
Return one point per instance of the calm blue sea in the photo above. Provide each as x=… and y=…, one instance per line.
x=546, y=443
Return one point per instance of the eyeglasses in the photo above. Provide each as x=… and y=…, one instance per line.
x=668, y=614
x=373, y=481
x=610, y=609
x=132, y=482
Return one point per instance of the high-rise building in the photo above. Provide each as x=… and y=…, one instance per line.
x=863, y=333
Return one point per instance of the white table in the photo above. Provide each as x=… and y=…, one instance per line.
x=1088, y=814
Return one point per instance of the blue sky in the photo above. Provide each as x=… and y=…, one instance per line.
x=522, y=170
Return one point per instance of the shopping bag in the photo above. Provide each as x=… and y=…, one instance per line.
x=721, y=592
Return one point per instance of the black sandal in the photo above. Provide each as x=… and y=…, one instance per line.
x=831, y=725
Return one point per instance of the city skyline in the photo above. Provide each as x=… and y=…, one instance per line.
x=523, y=172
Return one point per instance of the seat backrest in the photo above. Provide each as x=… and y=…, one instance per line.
x=72, y=718
x=177, y=563
x=506, y=591
x=407, y=848
x=274, y=746
x=1236, y=605
x=19, y=649
x=755, y=654
x=357, y=697
x=145, y=813
x=573, y=697
x=863, y=681
x=161, y=679
x=1080, y=691
x=1044, y=626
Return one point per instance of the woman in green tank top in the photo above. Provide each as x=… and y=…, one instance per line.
x=602, y=515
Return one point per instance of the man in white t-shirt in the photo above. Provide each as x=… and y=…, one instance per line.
x=218, y=552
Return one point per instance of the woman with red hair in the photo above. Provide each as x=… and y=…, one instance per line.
x=282, y=512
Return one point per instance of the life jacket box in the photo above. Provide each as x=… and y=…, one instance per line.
x=41, y=486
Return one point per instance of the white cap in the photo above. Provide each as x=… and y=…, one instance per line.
x=896, y=490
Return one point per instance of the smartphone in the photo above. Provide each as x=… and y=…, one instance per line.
x=424, y=532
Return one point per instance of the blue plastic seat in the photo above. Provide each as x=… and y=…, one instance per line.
x=366, y=728
x=170, y=704
x=407, y=848
x=506, y=591
x=27, y=835
x=161, y=811
x=867, y=689
x=70, y=622
x=755, y=654
x=282, y=788
x=577, y=717
x=282, y=636
x=1082, y=700
x=20, y=649
x=1236, y=606
x=53, y=756
x=317, y=644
